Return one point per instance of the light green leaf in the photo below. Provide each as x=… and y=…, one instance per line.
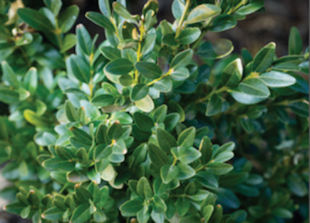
x=104, y=6
x=168, y=173
x=185, y=171
x=277, y=79
x=202, y=12
x=145, y=104
x=187, y=137
x=251, y=91
x=186, y=155
x=189, y=35
x=9, y=75
x=144, y=188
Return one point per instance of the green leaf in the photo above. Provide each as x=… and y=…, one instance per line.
x=110, y=53
x=180, y=74
x=250, y=8
x=122, y=11
x=282, y=213
x=53, y=214
x=159, y=204
x=131, y=207
x=207, y=212
x=81, y=135
x=53, y=5
x=202, y=12
x=159, y=114
x=157, y=156
x=264, y=58
x=104, y=6
x=277, y=79
x=164, y=85
x=223, y=22
x=100, y=20
x=44, y=139
x=121, y=117
x=25, y=212
x=119, y=67
x=185, y=171
x=214, y=105
x=71, y=112
x=165, y=140
x=149, y=43
x=35, y=119
x=8, y=95
x=158, y=217
x=189, y=35
x=217, y=49
x=81, y=214
x=35, y=19
x=143, y=215
x=144, y=188
x=294, y=42
x=149, y=70
x=177, y=8
x=251, y=91
x=57, y=164
x=168, y=173
x=138, y=92
x=9, y=75
x=205, y=148
x=83, y=39
x=68, y=42
x=232, y=73
x=103, y=100
x=187, y=137
x=297, y=185
x=144, y=122
x=219, y=168
x=146, y=104
x=223, y=156
x=80, y=68
x=186, y=155
x=182, y=59
x=68, y=17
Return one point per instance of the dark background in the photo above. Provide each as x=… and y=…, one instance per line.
x=271, y=24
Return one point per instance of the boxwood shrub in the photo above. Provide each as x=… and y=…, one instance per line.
x=154, y=124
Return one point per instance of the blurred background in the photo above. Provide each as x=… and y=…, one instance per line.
x=271, y=24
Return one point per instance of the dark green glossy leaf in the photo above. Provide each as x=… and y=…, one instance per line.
x=149, y=70
x=119, y=67
x=100, y=20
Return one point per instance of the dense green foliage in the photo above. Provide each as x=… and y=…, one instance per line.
x=154, y=124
